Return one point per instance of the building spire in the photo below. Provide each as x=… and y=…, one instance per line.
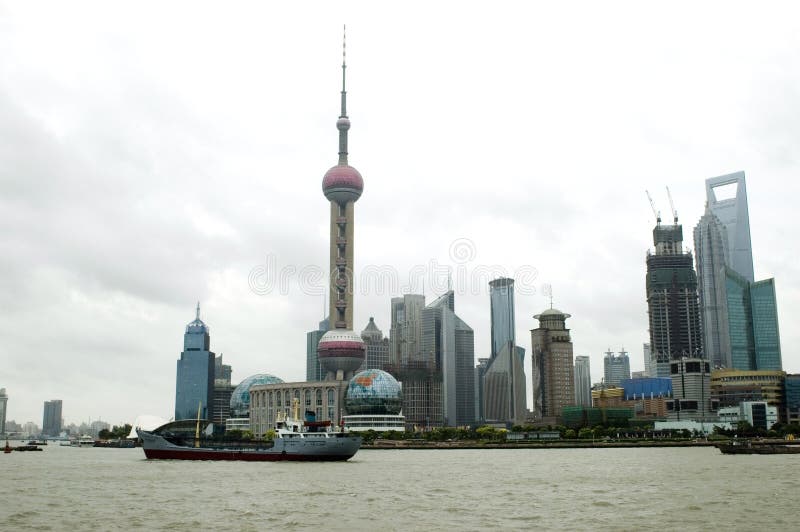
x=197, y=316
x=343, y=124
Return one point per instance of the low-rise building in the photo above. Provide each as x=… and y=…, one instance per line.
x=758, y=414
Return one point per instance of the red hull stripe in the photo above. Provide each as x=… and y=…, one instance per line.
x=167, y=454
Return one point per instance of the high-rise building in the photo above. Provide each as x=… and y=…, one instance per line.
x=732, y=213
x=194, y=383
x=341, y=350
x=672, y=299
x=792, y=395
x=553, y=370
x=583, y=381
x=3, y=410
x=448, y=345
x=752, y=315
x=480, y=371
x=377, y=354
x=221, y=400
x=734, y=308
x=617, y=367
x=313, y=367
x=51, y=419
x=649, y=364
x=504, y=393
x=501, y=299
x=404, y=334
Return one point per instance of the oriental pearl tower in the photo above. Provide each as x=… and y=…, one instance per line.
x=341, y=351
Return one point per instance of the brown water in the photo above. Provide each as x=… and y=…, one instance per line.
x=66, y=488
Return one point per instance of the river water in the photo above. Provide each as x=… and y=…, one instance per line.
x=65, y=488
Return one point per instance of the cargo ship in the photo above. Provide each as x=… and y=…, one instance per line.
x=292, y=439
x=748, y=447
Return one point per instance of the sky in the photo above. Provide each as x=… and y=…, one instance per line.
x=156, y=155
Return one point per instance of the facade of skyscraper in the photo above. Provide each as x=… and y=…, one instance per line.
x=480, y=371
x=733, y=214
x=341, y=350
x=616, y=367
x=553, y=369
x=792, y=394
x=734, y=308
x=649, y=362
x=51, y=418
x=448, y=344
x=3, y=410
x=404, y=334
x=504, y=393
x=501, y=300
x=194, y=382
x=377, y=353
x=221, y=400
x=583, y=381
x=313, y=368
x=672, y=304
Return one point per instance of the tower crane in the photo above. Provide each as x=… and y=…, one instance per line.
x=656, y=213
x=672, y=206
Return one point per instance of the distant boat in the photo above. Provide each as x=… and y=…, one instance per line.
x=83, y=441
x=294, y=440
x=749, y=447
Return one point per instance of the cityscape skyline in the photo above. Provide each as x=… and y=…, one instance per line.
x=138, y=229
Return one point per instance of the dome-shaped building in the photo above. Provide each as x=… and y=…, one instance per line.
x=373, y=401
x=240, y=398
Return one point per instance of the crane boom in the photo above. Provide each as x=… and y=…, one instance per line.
x=656, y=213
x=672, y=207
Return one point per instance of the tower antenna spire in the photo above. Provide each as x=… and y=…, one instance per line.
x=343, y=124
x=197, y=316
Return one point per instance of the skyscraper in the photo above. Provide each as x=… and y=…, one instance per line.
x=672, y=299
x=501, y=299
x=194, y=382
x=377, y=347
x=221, y=400
x=726, y=283
x=313, y=368
x=733, y=214
x=617, y=367
x=649, y=365
x=553, y=371
x=404, y=334
x=583, y=382
x=3, y=410
x=448, y=345
x=51, y=419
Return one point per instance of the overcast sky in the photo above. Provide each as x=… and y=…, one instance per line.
x=162, y=154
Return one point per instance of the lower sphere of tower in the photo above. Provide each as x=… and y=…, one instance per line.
x=341, y=349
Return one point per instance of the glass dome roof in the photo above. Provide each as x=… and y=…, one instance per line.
x=240, y=398
x=374, y=392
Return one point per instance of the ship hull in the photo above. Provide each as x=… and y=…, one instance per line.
x=340, y=447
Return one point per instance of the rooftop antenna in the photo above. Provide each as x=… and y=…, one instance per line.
x=672, y=207
x=656, y=212
x=449, y=280
x=197, y=317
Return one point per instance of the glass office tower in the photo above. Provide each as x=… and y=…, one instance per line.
x=194, y=383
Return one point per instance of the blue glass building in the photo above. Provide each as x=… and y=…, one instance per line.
x=194, y=383
x=792, y=395
x=752, y=323
x=501, y=299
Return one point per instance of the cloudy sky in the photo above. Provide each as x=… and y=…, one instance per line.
x=155, y=155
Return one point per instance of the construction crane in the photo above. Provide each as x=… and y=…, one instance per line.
x=656, y=213
x=672, y=206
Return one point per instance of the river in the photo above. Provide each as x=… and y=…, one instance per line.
x=65, y=488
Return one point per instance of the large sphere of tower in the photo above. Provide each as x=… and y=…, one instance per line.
x=341, y=350
x=342, y=183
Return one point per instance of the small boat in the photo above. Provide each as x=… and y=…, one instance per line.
x=749, y=447
x=27, y=448
x=38, y=443
x=83, y=441
x=7, y=448
x=293, y=440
